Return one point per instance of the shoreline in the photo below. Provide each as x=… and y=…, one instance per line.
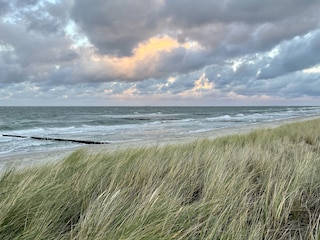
x=29, y=159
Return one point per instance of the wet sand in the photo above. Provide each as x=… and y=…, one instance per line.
x=30, y=159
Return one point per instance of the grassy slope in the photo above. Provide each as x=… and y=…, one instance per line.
x=263, y=185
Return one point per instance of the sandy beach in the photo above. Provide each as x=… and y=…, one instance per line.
x=29, y=159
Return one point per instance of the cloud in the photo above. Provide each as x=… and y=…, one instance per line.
x=231, y=35
x=4, y=7
x=31, y=55
x=228, y=49
x=126, y=24
x=298, y=54
x=188, y=13
x=157, y=57
x=228, y=25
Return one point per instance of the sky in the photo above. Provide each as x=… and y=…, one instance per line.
x=159, y=52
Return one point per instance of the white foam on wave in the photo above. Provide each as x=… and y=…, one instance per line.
x=220, y=118
x=137, y=115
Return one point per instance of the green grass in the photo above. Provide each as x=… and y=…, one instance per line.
x=262, y=185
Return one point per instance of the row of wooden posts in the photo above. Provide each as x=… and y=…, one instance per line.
x=56, y=139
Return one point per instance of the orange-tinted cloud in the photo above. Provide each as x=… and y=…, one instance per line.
x=202, y=86
x=147, y=54
x=145, y=60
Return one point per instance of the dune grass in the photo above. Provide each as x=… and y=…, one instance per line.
x=262, y=185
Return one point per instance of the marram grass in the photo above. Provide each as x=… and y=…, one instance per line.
x=262, y=185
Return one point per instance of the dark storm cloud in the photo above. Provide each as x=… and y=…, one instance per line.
x=182, y=60
x=42, y=23
x=292, y=85
x=25, y=3
x=188, y=13
x=296, y=55
x=11, y=74
x=242, y=25
x=4, y=7
x=264, y=11
x=31, y=48
x=32, y=43
x=47, y=18
x=116, y=27
x=232, y=35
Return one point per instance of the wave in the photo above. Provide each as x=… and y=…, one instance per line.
x=256, y=117
x=128, y=125
x=223, y=118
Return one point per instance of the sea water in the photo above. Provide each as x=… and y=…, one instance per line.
x=124, y=124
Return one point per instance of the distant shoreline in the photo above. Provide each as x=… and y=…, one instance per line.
x=34, y=158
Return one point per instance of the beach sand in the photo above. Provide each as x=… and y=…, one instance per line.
x=30, y=159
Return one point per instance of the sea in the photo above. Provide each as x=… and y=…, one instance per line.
x=124, y=124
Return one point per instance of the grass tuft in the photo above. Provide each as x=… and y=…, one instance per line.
x=262, y=185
